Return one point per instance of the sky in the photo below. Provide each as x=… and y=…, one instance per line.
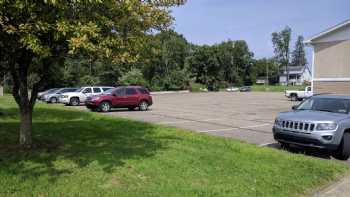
x=214, y=21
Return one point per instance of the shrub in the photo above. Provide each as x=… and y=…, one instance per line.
x=133, y=77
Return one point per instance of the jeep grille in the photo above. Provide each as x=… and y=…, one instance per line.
x=298, y=126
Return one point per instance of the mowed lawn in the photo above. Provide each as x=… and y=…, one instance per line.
x=104, y=156
x=275, y=88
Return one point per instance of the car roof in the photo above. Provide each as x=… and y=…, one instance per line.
x=97, y=87
x=333, y=96
x=130, y=87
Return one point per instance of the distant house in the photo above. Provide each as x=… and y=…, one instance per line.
x=298, y=75
x=331, y=60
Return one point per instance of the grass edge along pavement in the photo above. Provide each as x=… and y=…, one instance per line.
x=108, y=156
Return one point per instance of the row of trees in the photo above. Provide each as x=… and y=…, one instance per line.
x=167, y=61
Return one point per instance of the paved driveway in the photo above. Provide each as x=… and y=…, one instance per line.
x=244, y=116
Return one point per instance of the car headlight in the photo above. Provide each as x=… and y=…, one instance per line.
x=326, y=126
x=278, y=122
x=64, y=96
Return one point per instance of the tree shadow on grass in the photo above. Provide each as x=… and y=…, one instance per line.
x=81, y=138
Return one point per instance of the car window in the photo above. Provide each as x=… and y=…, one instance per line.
x=87, y=90
x=308, y=89
x=306, y=105
x=52, y=90
x=143, y=90
x=326, y=104
x=68, y=90
x=97, y=90
x=130, y=91
x=110, y=91
x=79, y=90
x=331, y=105
x=105, y=89
x=120, y=92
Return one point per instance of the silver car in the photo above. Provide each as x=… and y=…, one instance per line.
x=54, y=96
x=321, y=121
x=49, y=91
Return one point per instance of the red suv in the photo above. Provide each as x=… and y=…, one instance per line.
x=121, y=97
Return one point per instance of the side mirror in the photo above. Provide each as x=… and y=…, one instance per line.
x=294, y=107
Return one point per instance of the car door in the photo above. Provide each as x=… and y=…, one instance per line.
x=119, y=98
x=132, y=97
x=308, y=92
x=85, y=93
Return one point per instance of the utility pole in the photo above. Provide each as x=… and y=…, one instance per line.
x=233, y=47
x=267, y=74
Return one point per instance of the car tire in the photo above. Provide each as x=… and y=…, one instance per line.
x=74, y=101
x=294, y=97
x=343, y=152
x=105, y=106
x=53, y=100
x=143, y=106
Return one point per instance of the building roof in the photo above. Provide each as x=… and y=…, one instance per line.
x=328, y=31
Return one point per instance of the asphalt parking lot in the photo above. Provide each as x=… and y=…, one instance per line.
x=244, y=116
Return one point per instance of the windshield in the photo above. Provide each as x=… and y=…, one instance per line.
x=333, y=105
x=52, y=90
x=109, y=92
x=79, y=90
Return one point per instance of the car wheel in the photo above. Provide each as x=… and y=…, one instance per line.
x=53, y=100
x=105, y=106
x=143, y=106
x=294, y=97
x=74, y=101
x=343, y=152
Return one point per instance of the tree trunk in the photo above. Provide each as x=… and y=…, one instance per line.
x=25, y=132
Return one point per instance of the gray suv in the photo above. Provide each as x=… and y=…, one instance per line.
x=321, y=121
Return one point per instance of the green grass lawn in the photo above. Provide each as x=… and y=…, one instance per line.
x=275, y=88
x=105, y=156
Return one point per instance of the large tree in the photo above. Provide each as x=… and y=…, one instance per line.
x=281, y=42
x=266, y=68
x=298, y=55
x=163, y=60
x=228, y=62
x=35, y=36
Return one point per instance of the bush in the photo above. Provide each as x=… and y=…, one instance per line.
x=174, y=80
x=133, y=77
x=90, y=80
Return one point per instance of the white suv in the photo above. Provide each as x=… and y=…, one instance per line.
x=79, y=96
